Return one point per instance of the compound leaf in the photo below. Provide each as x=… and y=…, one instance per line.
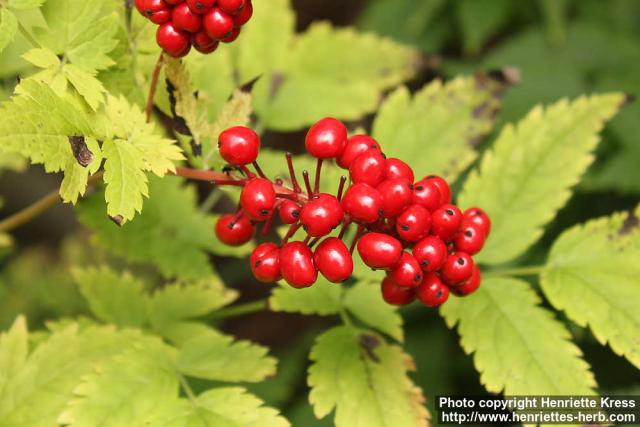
x=8, y=27
x=364, y=302
x=14, y=347
x=323, y=298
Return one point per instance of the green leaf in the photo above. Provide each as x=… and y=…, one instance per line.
x=236, y=112
x=86, y=84
x=590, y=275
x=113, y=298
x=14, y=346
x=365, y=380
x=8, y=27
x=365, y=303
x=480, y=20
x=25, y=4
x=518, y=347
x=215, y=356
x=436, y=132
x=526, y=177
x=323, y=299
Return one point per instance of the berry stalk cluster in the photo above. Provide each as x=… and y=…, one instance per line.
x=202, y=24
x=407, y=228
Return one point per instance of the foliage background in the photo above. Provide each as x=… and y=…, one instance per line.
x=562, y=48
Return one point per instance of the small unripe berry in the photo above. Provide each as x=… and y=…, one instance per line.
x=258, y=198
x=217, y=23
x=445, y=221
x=368, y=168
x=407, y=271
x=457, y=268
x=379, y=250
x=321, y=215
x=431, y=253
x=297, y=266
x=356, y=145
x=234, y=233
x=396, y=295
x=333, y=260
x=239, y=145
x=326, y=139
x=363, y=203
x=289, y=212
x=265, y=263
x=413, y=223
x=396, y=168
x=396, y=196
x=432, y=292
x=478, y=217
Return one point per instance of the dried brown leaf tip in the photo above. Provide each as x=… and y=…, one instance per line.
x=81, y=152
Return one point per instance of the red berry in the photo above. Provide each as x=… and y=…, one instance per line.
x=470, y=238
x=334, y=260
x=443, y=186
x=245, y=14
x=239, y=145
x=232, y=36
x=356, y=145
x=289, y=212
x=218, y=24
x=326, y=139
x=470, y=285
x=431, y=253
x=426, y=194
x=396, y=196
x=152, y=7
x=363, y=203
x=478, y=217
x=174, y=2
x=203, y=43
x=200, y=6
x=296, y=265
x=414, y=223
x=265, y=263
x=184, y=19
x=432, y=292
x=445, y=221
x=396, y=295
x=172, y=40
x=234, y=233
x=457, y=268
x=140, y=7
x=396, y=168
x=231, y=7
x=258, y=198
x=407, y=272
x=161, y=16
x=379, y=250
x=369, y=168
x=321, y=215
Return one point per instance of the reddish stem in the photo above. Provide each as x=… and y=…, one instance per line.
x=356, y=238
x=316, y=185
x=245, y=170
x=259, y=170
x=292, y=230
x=154, y=86
x=267, y=223
x=218, y=178
x=344, y=229
x=292, y=173
x=343, y=180
x=307, y=183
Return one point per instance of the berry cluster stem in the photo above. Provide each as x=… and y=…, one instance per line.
x=154, y=86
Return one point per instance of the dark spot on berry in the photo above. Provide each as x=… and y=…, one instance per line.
x=199, y=5
x=468, y=233
x=305, y=227
x=410, y=186
x=149, y=12
x=264, y=212
x=449, y=212
x=384, y=156
x=231, y=225
x=417, y=278
x=461, y=261
x=380, y=212
x=258, y=263
x=439, y=294
x=295, y=214
x=404, y=227
x=219, y=143
x=431, y=176
x=419, y=187
x=425, y=262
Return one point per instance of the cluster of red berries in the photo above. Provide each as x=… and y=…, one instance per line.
x=202, y=24
x=408, y=229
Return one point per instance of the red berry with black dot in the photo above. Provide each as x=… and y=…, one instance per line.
x=396, y=196
x=443, y=186
x=368, y=168
x=427, y=194
x=184, y=19
x=432, y=292
x=174, y=2
x=239, y=145
x=258, y=198
x=445, y=221
x=218, y=24
x=407, y=271
x=297, y=266
x=161, y=17
x=457, y=268
x=355, y=146
x=321, y=215
x=232, y=36
x=431, y=253
x=470, y=285
x=414, y=223
x=232, y=231
x=152, y=7
x=396, y=295
x=333, y=260
x=289, y=212
x=326, y=139
x=175, y=42
x=363, y=203
x=470, y=238
x=245, y=14
x=203, y=43
x=200, y=6
x=265, y=263
x=379, y=251
x=396, y=168
x=231, y=7
x=478, y=217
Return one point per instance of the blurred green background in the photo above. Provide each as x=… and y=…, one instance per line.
x=562, y=48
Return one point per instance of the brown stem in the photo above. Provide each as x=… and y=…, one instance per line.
x=154, y=86
x=343, y=180
x=259, y=170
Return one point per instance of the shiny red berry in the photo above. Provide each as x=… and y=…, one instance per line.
x=231, y=7
x=470, y=238
x=233, y=35
x=218, y=24
x=413, y=223
x=321, y=215
x=200, y=6
x=234, y=232
x=443, y=186
x=245, y=14
x=396, y=196
x=432, y=292
x=368, y=168
x=478, y=217
x=397, y=295
x=258, y=198
x=363, y=203
x=470, y=285
x=265, y=263
x=184, y=19
x=297, y=266
x=426, y=194
x=333, y=260
x=457, y=268
x=445, y=221
x=431, y=253
x=151, y=7
x=239, y=145
x=203, y=43
x=174, y=2
x=172, y=40
x=396, y=168
x=289, y=212
x=355, y=146
x=407, y=271
x=140, y=7
x=326, y=139
x=379, y=250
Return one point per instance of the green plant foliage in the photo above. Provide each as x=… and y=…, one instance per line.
x=527, y=175
x=364, y=302
x=591, y=276
x=518, y=347
x=8, y=27
x=365, y=380
x=323, y=298
x=475, y=30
